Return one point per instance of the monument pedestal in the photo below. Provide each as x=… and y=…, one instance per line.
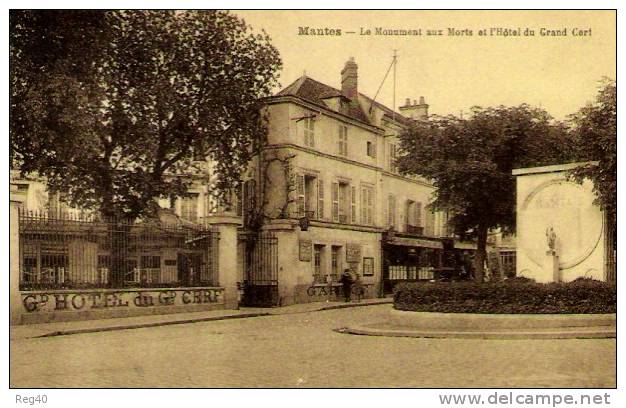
x=551, y=262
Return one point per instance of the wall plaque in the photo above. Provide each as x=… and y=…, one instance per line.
x=353, y=253
x=305, y=250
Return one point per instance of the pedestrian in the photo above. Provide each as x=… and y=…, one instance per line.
x=346, y=281
x=358, y=288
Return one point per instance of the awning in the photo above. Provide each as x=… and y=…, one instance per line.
x=464, y=245
x=415, y=242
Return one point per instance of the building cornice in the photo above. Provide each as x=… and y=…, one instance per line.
x=345, y=160
x=274, y=100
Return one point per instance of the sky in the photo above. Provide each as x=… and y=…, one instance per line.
x=453, y=73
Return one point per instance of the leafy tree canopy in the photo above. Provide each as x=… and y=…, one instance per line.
x=470, y=160
x=112, y=106
x=595, y=131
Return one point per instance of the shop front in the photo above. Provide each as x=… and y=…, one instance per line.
x=407, y=258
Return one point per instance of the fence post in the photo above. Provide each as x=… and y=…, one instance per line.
x=15, y=297
x=226, y=224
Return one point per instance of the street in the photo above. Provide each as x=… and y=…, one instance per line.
x=302, y=350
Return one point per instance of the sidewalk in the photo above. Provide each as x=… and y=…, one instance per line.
x=92, y=326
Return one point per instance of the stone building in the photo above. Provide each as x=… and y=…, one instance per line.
x=327, y=190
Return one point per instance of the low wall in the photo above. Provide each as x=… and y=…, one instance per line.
x=84, y=304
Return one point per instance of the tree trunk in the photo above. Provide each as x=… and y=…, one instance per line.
x=481, y=254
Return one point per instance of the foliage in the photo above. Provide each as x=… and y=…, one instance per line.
x=579, y=296
x=595, y=130
x=112, y=107
x=470, y=160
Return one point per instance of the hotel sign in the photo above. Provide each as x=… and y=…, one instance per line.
x=83, y=300
x=353, y=253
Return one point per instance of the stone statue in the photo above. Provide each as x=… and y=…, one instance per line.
x=551, y=237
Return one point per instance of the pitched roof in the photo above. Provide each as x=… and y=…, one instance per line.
x=314, y=91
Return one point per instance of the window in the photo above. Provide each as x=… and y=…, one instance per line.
x=342, y=202
x=414, y=217
x=189, y=207
x=320, y=198
x=335, y=262
x=318, y=273
x=335, y=199
x=150, y=269
x=392, y=158
x=300, y=200
x=371, y=149
x=309, y=131
x=391, y=210
x=353, y=205
x=367, y=205
x=429, y=224
x=342, y=142
x=309, y=201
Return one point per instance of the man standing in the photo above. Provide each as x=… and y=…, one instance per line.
x=346, y=281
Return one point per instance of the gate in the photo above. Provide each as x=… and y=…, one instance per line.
x=260, y=285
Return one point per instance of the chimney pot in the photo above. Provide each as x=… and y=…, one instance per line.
x=422, y=101
x=408, y=102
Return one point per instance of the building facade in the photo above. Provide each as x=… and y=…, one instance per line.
x=326, y=184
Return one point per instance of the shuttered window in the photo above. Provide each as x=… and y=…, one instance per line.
x=391, y=211
x=320, y=198
x=309, y=132
x=300, y=191
x=335, y=199
x=353, y=205
x=367, y=205
x=342, y=141
x=418, y=214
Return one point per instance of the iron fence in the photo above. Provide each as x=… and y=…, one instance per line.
x=260, y=284
x=65, y=251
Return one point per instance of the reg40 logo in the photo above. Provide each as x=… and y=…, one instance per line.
x=31, y=399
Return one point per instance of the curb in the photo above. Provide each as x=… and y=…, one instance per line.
x=196, y=320
x=591, y=333
x=144, y=325
x=349, y=305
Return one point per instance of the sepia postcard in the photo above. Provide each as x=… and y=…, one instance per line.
x=420, y=199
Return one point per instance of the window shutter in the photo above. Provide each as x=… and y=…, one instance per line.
x=335, y=200
x=300, y=191
x=312, y=134
x=370, y=206
x=391, y=211
x=363, y=205
x=418, y=214
x=353, y=204
x=320, y=198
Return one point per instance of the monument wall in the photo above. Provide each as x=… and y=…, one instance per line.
x=559, y=229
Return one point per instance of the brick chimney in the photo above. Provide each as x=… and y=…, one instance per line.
x=416, y=111
x=349, y=80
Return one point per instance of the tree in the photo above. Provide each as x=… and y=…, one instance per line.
x=470, y=160
x=595, y=131
x=112, y=107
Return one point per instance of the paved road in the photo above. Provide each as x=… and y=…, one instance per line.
x=301, y=350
